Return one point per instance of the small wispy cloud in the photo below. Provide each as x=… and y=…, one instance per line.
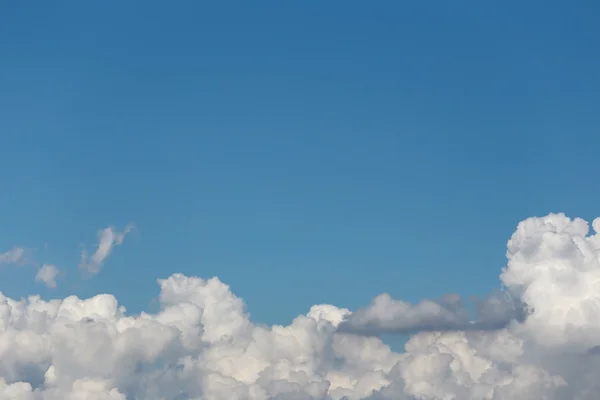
x=47, y=274
x=16, y=255
x=108, y=239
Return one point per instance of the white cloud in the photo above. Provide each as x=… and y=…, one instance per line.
x=47, y=274
x=203, y=345
x=108, y=239
x=386, y=315
x=16, y=255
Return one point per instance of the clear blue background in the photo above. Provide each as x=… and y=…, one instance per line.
x=304, y=152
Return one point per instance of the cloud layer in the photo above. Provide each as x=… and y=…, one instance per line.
x=203, y=345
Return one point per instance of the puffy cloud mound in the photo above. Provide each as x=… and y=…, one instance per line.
x=203, y=345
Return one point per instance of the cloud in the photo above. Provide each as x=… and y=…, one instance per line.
x=47, y=274
x=202, y=344
x=108, y=239
x=386, y=315
x=16, y=255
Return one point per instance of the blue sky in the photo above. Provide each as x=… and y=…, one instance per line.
x=304, y=152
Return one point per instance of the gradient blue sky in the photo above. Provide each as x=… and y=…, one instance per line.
x=304, y=152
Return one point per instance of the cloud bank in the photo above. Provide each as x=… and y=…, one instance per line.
x=202, y=343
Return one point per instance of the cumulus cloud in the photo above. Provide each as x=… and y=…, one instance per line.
x=386, y=315
x=108, y=238
x=47, y=274
x=202, y=344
